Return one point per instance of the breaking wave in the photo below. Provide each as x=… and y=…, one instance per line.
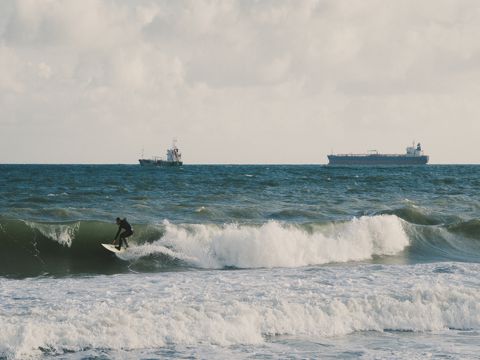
x=32, y=249
x=274, y=244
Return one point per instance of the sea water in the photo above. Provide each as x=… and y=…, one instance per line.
x=240, y=262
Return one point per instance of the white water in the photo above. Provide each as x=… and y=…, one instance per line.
x=64, y=234
x=279, y=245
x=243, y=309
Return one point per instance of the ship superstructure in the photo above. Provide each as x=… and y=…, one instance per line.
x=174, y=158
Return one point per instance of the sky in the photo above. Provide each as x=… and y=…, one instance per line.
x=238, y=81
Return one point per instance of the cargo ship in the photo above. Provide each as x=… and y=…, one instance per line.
x=174, y=158
x=413, y=156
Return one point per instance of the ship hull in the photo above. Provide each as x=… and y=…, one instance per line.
x=377, y=160
x=150, y=162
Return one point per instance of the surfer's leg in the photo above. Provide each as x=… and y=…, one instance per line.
x=120, y=241
x=125, y=238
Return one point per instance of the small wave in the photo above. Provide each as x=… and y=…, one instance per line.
x=444, y=181
x=59, y=194
x=469, y=228
x=442, y=243
x=288, y=214
x=415, y=215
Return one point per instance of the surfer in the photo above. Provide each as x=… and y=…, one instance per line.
x=123, y=224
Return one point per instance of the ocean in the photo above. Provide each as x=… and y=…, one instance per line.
x=240, y=262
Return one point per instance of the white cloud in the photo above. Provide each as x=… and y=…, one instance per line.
x=95, y=81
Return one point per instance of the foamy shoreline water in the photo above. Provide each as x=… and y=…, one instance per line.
x=235, y=309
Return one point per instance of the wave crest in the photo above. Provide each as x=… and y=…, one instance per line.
x=61, y=233
x=283, y=245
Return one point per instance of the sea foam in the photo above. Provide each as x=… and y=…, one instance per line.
x=230, y=307
x=64, y=234
x=274, y=244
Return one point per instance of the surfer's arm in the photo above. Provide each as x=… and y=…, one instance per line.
x=118, y=232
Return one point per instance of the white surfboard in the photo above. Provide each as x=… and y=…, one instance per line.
x=113, y=249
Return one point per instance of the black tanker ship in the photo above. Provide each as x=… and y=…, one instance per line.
x=413, y=156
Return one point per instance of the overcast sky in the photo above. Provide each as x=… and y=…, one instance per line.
x=243, y=81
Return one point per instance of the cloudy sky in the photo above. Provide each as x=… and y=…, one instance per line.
x=242, y=81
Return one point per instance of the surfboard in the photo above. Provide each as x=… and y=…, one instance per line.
x=113, y=249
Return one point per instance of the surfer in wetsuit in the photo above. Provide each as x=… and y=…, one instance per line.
x=123, y=224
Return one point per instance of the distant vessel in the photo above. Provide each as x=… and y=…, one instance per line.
x=174, y=158
x=413, y=156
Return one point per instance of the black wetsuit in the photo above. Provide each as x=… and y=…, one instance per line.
x=123, y=236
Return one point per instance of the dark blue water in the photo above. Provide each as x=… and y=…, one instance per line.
x=232, y=193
